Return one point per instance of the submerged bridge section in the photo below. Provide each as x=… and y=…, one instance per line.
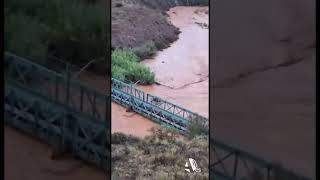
x=74, y=117
x=155, y=108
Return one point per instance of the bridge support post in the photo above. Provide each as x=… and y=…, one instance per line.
x=131, y=98
x=61, y=148
x=68, y=85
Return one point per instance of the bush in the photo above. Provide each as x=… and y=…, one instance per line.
x=125, y=67
x=81, y=34
x=26, y=37
x=196, y=127
x=67, y=29
x=119, y=73
x=145, y=51
x=137, y=72
x=159, y=156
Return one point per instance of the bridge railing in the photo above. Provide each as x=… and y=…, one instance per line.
x=62, y=89
x=57, y=125
x=159, y=102
x=232, y=163
x=58, y=110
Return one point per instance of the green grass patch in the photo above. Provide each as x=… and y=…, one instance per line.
x=126, y=67
x=26, y=37
x=72, y=30
x=145, y=51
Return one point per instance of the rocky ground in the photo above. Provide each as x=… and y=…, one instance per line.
x=263, y=79
x=134, y=24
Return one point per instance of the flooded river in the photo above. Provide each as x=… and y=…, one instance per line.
x=181, y=71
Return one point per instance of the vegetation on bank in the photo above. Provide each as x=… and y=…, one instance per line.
x=71, y=30
x=162, y=155
x=145, y=51
x=125, y=66
x=198, y=126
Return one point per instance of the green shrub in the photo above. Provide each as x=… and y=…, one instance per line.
x=119, y=73
x=145, y=51
x=123, y=57
x=196, y=128
x=26, y=37
x=29, y=7
x=67, y=29
x=125, y=67
x=137, y=72
x=81, y=33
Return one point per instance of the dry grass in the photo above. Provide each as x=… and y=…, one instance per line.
x=161, y=155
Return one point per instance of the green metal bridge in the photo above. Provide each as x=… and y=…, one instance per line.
x=69, y=115
x=62, y=112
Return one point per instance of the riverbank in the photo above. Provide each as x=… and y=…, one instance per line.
x=142, y=28
x=137, y=22
x=182, y=70
x=163, y=154
x=187, y=55
x=134, y=24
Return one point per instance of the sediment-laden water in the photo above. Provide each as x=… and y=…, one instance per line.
x=181, y=70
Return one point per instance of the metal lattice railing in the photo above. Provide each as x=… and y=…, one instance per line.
x=154, y=107
x=230, y=163
x=57, y=124
x=65, y=90
x=60, y=111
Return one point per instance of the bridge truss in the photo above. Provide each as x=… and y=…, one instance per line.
x=70, y=115
x=62, y=112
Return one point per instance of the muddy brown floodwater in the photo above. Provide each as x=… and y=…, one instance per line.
x=181, y=70
x=29, y=159
x=260, y=106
